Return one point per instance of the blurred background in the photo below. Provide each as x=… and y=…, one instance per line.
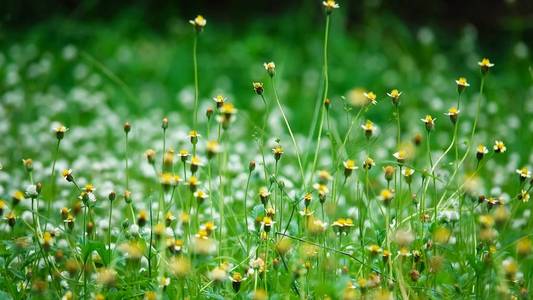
x=67, y=60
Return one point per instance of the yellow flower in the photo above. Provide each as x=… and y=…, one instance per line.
x=219, y=100
x=481, y=151
x=395, y=96
x=371, y=97
x=453, y=113
x=198, y=23
x=258, y=87
x=270, y=67
x=368, y=163
x=386, y=196
x=330, y=5
x=499, y=147
x=485, y=65
x=369, y=128
x=462, y=84
x=524, y=173
x=429, y=121
x=524, y=196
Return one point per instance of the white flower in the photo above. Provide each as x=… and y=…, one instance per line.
x=31, y=191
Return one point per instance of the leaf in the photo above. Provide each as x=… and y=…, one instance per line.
x=97, y=246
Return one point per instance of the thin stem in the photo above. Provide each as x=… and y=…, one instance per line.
x=195, y=66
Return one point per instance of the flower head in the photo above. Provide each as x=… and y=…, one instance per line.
x=349, y=167
x=369, y=128
x=481, y=150
x=485, y=65
x=453, y=113
x=499, y=147
x=330, y=5
x=386, y=196
x=258, y=87
x=395, y=96
x=60, y=131
x=462, y=84
x=219, y=100
x=429, y=121
x=371, y=97
x=524, y=173
x=198, y=23
x=270, y=67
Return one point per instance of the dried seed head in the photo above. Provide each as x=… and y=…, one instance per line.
x=251, y=166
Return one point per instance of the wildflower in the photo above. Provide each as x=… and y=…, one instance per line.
x=499, y=147
x=184, y=155
x=209, y=112
x=127, y=128
x=219, y=100
x=193, y=136
x=322, y=190
x=395, y=96
x=142, y=218
x=408, y=175
x=169, y=218
x=227, y=110
x=386, y=196
x=349, y=167
x=324, y=177
x=127, y=196
x=429, y=121
x=524, y=196
x=386, y=255
x=342, y=225
x=400, y=156
x=510, y=268
x=258, y=87
x=524, y=173
x=213, y=147
x=388, y=172
x=195, y=164
x=11, y=219
x=168, y=158
x=180, y=266
x=60, y=131
x=198, y=23
x=200, y=196
x=453, y=113
x=150, y=156
x=462, y=84
x=330, y=5
x=164, y=282
x=270, y=67
x=174, y=246
x=2, y=207
x=236, y=279
x=307, y=199
x=67, y=174
x=28, y=164
x=267, y=224
x=168, y=179
x=209, y=227
x=264, y=194
x=306, y=212
x=485, y=65
x=277, y=151
x=369, y=128
x=368, y=163
x=193, y=183
x=370, y=97
x=374, y=249
x=523, y=246
x=69, y=221
x=481, y=151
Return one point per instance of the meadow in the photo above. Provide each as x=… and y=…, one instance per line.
x=265, y=162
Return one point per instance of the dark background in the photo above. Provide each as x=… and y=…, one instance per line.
x=491, y=17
